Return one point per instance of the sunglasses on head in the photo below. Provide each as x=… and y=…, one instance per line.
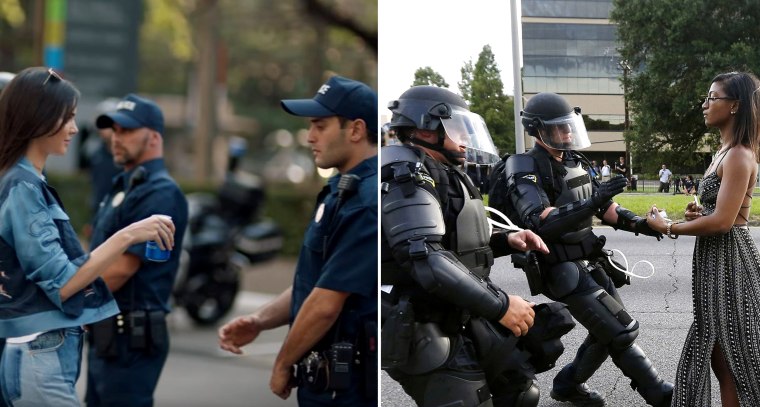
x=52, y=74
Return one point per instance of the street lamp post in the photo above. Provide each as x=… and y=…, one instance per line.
x=623, y=64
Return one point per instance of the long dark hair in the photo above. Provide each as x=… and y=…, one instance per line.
x=36, y=103
x=743, y=86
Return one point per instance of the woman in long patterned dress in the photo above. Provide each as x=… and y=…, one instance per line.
x=726, y=263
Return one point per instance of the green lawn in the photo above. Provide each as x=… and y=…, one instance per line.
x=674, y=205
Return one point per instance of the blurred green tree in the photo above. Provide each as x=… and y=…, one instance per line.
x=482, y=88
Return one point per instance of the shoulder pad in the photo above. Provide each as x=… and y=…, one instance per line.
x=396, y=153
x=520, y=163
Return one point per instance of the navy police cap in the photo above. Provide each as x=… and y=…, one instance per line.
x=133, y=112
x=339, y=96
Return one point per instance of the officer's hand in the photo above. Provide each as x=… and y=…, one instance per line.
x=519, y=316
x=607, y=190
x=693, y=211
x=239, y=332
x=158, y=228
x=525, y=240
x=280, y=383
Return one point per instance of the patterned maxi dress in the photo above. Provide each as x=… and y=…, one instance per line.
x=726, y=296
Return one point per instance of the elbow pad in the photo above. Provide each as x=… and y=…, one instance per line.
x=440, y=274
x=524, y=190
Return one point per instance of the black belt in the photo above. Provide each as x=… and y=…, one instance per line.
x=123, y=318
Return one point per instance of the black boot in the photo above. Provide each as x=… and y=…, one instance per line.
x=579, y=394
x=644, y=377
x=570, y=382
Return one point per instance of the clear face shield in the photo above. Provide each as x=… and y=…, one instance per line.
x=468, y=129
x=565, y=133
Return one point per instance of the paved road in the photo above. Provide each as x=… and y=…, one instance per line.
x=198, y=373
x=662, y=305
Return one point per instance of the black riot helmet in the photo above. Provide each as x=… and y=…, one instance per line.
x=548, y=117
x=446, y=113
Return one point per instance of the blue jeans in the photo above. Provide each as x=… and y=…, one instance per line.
x=43, y=372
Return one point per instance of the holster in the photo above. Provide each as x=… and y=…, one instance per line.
x=528, y=262
x=397, y=332
x=312, y=372
x=103, y=338
x=146, y=331
x=328, y=370
x=369, y=361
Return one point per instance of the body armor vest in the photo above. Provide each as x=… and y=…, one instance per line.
x=464, y=215
x=579, y=241
x=575, y=186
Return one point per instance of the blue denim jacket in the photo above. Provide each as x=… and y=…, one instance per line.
x=39, y=253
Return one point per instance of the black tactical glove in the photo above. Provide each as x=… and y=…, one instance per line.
x=607, y=190
x=640, y=225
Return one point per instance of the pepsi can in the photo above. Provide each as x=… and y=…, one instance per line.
x=154, y=253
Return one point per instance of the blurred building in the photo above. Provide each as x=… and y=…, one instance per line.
x=569, y=48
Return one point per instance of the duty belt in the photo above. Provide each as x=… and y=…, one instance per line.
x=562, y=252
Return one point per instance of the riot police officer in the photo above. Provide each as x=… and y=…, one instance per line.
x=550, y=192
x=449, y=333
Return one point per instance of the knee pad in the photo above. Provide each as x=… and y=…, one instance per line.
x=430, y=349
x=515, y=391
x=456, y=389
x=563, y=278
x=529, y=397
x=604, y=318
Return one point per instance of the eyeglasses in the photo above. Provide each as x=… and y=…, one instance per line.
x=52, y=74
x=709, y=99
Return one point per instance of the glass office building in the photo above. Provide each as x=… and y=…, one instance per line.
x=569, y=48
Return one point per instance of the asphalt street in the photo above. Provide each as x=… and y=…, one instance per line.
x=198, y=373
x=662, y=304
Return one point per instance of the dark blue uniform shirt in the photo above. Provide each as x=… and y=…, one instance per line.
x=339, y=253
x=136, y=195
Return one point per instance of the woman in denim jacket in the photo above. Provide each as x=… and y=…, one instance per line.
x=49, y=287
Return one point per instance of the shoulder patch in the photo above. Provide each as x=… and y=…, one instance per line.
x=530, y=177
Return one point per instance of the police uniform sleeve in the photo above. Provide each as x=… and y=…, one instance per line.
x=163, y=198
x=413, y=225
x=352, y=263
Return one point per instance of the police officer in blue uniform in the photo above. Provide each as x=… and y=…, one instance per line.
x=332, y=305
x=548, y=190
x=127, y=352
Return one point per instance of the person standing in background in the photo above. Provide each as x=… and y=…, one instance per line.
x=605, y=171
x=620, y=167
x=128, y=351
x=665, y=176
